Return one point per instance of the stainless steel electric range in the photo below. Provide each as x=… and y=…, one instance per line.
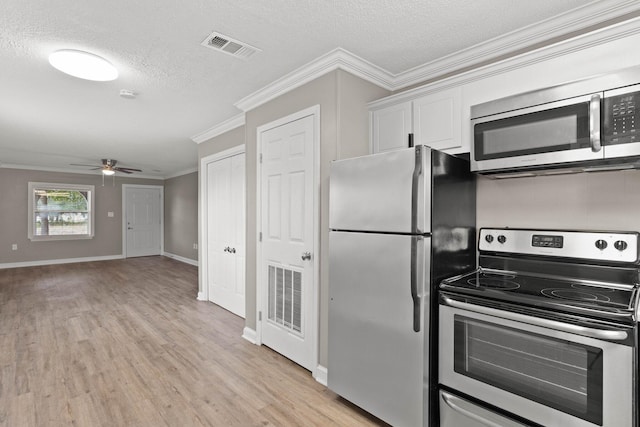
x=544, y=332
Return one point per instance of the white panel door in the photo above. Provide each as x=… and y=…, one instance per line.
x=287, y=215
x=143, y=224
x=225, y=239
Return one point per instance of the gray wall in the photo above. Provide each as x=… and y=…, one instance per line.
x=14, y=217
x=344, y=132
x=593, y=201
x=181, y=215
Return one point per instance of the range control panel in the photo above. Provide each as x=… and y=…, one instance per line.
x=598, y=245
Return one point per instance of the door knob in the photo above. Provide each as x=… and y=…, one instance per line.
x=306, y=256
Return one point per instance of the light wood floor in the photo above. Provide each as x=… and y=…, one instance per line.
x=125, y=343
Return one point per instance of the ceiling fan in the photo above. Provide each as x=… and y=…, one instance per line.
x=109, y=167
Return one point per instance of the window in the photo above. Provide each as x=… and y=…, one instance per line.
x=60, y=211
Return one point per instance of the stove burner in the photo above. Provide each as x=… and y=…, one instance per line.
x=495, y=282
x=575, y=295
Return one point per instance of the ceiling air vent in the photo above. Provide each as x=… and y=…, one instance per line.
x=225, y=44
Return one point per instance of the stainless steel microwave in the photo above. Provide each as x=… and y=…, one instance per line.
x=587, y=125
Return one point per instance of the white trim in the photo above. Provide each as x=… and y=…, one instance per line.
x=189, y=261
x=575, y=20
x=201, y=297
x=203, y=245
x=589, y=40
x=219, y=129
x=249, y=335
x=260, y=288
x=560, y=25
x=58, y=261
x=320, y=374
x=336, y=59
x=126, y=187
x=181, y=173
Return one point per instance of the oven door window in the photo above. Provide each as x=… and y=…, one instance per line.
x=557, y=129
x=560, y=374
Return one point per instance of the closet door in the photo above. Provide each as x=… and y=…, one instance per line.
x=226, y=225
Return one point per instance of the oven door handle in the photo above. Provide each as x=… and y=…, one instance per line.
x=599, y=334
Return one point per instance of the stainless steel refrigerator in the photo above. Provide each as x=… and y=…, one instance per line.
x=400, y=222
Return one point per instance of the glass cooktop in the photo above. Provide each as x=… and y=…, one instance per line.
x=565, y=294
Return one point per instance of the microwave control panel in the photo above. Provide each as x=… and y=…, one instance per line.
x=622, y=117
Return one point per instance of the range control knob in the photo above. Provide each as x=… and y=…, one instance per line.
x=488, y=238
x=601, y=244
x=502, y=239
x=620, y=245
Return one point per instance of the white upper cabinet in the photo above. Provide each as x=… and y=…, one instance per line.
x=434, y=120
x=391, y=127
x=437, y=120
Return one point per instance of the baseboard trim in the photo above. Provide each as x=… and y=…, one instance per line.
x=201, y=297
x=59, y=261
x=180, y=258
x=321, y=375
x=250, y=335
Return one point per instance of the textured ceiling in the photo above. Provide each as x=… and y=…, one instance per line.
x=49, y=119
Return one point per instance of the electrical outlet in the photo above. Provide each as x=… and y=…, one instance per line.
x=195, y=246
x=14, y=247
x=110, y=214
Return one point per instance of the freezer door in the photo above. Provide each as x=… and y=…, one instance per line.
x=385, y=192
x=376, y=358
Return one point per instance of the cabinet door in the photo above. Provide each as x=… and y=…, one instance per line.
x=391, y=127
x=437, y=120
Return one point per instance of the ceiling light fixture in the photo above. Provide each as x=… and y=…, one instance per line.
x=83, y=65
x=108, y=171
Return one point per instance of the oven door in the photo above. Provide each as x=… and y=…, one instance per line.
x=547, y=375
x=554, y=133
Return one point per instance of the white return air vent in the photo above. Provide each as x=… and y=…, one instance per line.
x=226, y=44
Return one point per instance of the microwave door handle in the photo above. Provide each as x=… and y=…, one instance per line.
x=594, y=123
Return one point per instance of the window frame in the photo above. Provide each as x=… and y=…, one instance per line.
x=90, y=189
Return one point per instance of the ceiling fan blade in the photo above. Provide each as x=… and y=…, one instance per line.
x=122, y=170
x=127, y=170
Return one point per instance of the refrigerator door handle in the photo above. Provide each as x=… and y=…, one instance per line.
x=416, y=295
x=415, y=190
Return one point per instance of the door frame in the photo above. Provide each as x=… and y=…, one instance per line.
x=125, y=188
x=203, y=244
x=261, y=288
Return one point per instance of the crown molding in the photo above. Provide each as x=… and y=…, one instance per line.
x=595, y=38
x=225, y=126
x=521, y=40
x=575, y=20
x=336, y=59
